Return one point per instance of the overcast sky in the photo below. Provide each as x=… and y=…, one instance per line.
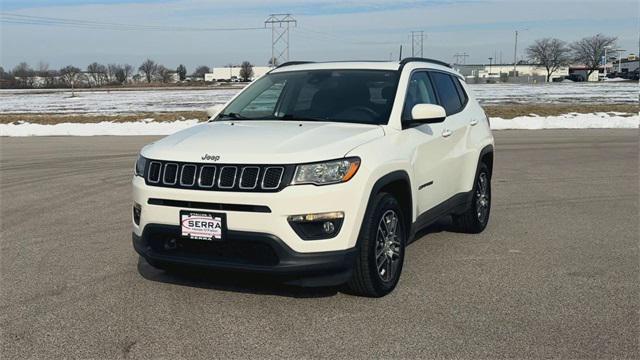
x=327, y=30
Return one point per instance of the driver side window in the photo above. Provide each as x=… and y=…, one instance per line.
x=419, y=91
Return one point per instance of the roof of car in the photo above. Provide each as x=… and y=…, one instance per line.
x=368, y=65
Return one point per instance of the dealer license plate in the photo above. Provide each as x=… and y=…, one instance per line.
x=206, y=226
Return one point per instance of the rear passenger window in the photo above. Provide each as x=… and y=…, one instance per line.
x=447, y=92
x=463, y=95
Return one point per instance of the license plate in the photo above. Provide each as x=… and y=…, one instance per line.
x=202, y=225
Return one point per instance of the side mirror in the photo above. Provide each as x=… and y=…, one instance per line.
x=214, y=110
x=428, y=114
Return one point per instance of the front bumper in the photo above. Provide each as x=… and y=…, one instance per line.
x=267, y=213
x=162, y=245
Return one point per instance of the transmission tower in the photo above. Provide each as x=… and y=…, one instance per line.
x=417, y=43
x=280, y=24
x=462, y=56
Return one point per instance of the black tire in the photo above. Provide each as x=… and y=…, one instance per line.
x=366, y=279
x=475, y=219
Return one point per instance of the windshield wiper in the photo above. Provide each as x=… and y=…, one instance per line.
x=233, y=115
x=303, y=118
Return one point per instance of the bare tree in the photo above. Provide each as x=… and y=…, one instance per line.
x=6, y=79
x=98, y=73
x=201, y=70
x=71, y=75
x=246, y=71
x=150, y=69
x=23, y=75
x=123, y=73
x=120, y=75
x=112, y=69
x=165, y=75
x=550, y=53
x=45, y=74
x=590, y=50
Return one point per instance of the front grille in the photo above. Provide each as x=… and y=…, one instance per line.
x=219, y=177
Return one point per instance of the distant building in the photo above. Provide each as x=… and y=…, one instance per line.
x=624, y=66
x=581, y=71
x=233, y=73
x=504, y=72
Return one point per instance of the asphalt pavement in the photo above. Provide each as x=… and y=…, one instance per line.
x=556, y=273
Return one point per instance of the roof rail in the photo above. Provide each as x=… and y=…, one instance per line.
x=433, y=61
x=289, y=63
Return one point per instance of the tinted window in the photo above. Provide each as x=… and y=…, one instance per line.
x=461, y=92
x=420, y=91
x=447, y=93
x=358, y=96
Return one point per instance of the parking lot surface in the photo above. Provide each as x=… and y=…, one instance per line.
x=556, y=273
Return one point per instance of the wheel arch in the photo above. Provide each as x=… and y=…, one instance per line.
x=486, y=157
x=397, y=183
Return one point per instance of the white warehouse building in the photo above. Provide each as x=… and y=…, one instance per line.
x=495, y=71
x=231, y=73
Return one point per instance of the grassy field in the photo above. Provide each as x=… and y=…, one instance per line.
x=503, y=111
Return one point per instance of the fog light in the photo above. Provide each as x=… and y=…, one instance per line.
x=137, y=211
x=328, y=227
x=317, y=226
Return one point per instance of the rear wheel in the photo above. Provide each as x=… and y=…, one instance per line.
x=475, y=219
x=381, y=249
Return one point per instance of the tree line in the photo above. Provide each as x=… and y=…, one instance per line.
x=97, y=74
x=553, y=53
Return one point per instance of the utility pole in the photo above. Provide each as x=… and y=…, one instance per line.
x=515, y=55
x=490, y=61
x=280, y=24
x=620, y=60
x=417, y=43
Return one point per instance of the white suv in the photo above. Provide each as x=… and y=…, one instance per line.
x=318, y=173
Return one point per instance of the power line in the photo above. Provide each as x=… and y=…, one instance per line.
x=10, y=18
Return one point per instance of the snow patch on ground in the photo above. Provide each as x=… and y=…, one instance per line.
x=568, y=121
x=143, y=127
x=149, y=127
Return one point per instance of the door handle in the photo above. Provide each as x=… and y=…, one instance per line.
x=446, y=133
x=474, y=122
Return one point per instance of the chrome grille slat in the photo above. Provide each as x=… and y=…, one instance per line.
x=255, y=182
x=213, y=177
x=155, y=179
x=266, y=173
x=192, y=181
x=175, y=175
x=222, y=175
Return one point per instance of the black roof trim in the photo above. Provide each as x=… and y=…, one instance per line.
x=418, y=59
x=289, y=63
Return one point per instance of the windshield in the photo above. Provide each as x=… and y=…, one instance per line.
x=351, y=96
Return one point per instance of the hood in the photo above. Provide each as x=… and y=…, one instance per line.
x=262, y=142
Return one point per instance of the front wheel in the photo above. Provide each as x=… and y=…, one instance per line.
x=381, y=249
x=475, y=219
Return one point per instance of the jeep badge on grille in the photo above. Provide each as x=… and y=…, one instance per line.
x=211, y=157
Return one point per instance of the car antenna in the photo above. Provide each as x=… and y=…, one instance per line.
x=400, y=57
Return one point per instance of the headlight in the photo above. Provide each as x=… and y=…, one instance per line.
x=140, y=165
x=324, y=173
